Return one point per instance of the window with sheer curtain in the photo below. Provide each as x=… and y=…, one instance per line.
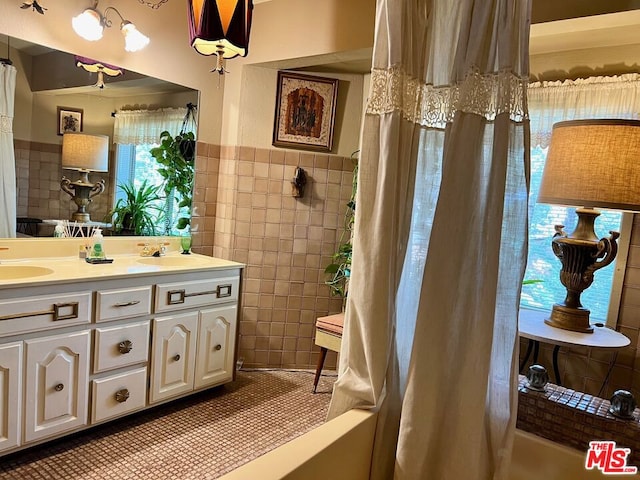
x=136, y=132
x=551, y=102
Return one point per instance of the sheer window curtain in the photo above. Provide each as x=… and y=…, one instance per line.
x=440, y=239
x=143, y=127
x=593, y=97
x=7, y=154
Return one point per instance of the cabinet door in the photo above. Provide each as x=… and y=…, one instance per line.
x=172, y=355
x=216, y=342
x=57, y=379
x=10, y=399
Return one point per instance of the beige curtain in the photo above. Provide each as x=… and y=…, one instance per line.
x=7, y=154
x=440, y=239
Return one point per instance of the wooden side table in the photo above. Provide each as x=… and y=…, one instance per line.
x=532, y=327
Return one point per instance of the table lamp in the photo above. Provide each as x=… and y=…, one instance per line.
x=85, y=153
x=590, y=164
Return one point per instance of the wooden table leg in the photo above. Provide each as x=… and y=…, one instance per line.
x=323, y=354
x=556, y=369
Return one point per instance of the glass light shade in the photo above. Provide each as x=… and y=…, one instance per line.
x=88, y=25
x=220, y=27
x=81, y=151
x=133, y=39
x=593, y=163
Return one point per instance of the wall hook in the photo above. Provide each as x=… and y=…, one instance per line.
x=298, y=183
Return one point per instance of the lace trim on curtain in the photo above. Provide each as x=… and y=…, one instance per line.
x=6, y=124
x=487, y=95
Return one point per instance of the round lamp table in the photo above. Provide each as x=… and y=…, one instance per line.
x=532, y=327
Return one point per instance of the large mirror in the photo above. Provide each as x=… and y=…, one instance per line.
x=51, y=86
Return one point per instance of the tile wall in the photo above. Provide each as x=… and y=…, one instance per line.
x=285, y=242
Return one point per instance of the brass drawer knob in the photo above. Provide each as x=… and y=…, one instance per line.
x=218, y=347
x=122, y=395
x=59, y=387
x=125, y=347
x=176, y=358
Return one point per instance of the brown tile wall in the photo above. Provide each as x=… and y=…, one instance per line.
x=584, y=369
x=285, y=243
x=38, y=175
x=574, y=419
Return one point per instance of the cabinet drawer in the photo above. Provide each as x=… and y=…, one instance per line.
x=121, y=346
x=126, y=303
x=118, y=394
x=43, y=312
x=175, y=296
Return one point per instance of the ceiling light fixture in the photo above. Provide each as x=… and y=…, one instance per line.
x=102, y=69
x=90, y=26
x=220, y=27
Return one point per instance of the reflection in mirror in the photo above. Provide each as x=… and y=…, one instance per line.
x=50, y=84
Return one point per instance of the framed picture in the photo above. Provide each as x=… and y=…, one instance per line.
x=305, y=112
x=69, y=120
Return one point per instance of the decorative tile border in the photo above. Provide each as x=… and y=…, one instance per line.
x=574, y=419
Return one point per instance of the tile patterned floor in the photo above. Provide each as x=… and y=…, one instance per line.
x=197, y=438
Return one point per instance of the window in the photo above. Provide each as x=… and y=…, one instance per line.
x=135, y=165
x=543, y=265
x=135, y=132
x=551, y=102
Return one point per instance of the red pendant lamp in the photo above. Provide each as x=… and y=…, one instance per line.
x=220, y=27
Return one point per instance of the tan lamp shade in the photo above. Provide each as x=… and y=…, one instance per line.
x=593, y=163
x=81, y=151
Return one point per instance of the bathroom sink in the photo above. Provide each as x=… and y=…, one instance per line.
x=181, y=261
x=17, y=272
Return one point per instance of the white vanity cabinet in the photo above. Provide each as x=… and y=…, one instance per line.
x=10, y=394
x=78, y=353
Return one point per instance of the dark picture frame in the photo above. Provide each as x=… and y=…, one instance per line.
x=70, y=120
x=305, y=112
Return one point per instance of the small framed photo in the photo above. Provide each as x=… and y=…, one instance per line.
x=305, y=112
x=69, y=120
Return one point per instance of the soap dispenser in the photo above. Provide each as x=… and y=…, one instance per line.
x=97, y=251
x=58, y=231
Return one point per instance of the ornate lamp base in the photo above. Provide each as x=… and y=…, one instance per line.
x=569, y=318
x=581, y=254
x=81, y=191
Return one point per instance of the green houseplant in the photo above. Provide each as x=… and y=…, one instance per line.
x=175, y=156
x=339, y=270
x=138, y=212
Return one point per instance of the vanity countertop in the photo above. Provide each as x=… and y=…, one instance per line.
x=24, y=265
x=66, y=270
